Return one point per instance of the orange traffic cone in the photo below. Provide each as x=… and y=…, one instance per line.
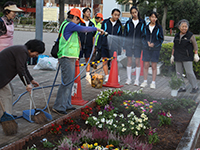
x=113, y=76
x=76, y=96
x=141, y=66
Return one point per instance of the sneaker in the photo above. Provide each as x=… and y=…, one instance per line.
x=128, y=82
x=106, y=78
x=152, y=86
x=136, y=83
x=144, y=84
x=88, y=78
x=59, y=112
x=182, y=90
x=118, y=78
x=194, y=90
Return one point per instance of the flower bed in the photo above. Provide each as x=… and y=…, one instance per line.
x=121, y=120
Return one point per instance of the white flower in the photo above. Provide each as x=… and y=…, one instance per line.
x=136, y=133
x=111, y=121
x=86, y=122
x=123, y=129
x=100, y=113
x=132, y=123
x=115, y=115
x=103, y=120
x=132, y=113
x=140, y=125
x=121, y=116
x=144, y=127
x=129, y=115
x=143, y=115
x=100, y=126
x=132, y=128
x=140, y=120
x=107, y=121
x=122, y=125
x=97, y=122
x=115, y=125
x=95, y=118
x=138, y=128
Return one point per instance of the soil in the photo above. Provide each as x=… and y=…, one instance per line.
x=169, y=135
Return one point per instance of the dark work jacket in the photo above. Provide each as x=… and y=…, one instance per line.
x=13, y=61
x=135, y=34
x=183, y=48
x=87, y=39
x=155, y=37
x=112, y=30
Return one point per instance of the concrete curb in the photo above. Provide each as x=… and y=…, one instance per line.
x=17, y=145
x=190, y=137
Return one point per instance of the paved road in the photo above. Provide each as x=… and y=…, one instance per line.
x=21, y=37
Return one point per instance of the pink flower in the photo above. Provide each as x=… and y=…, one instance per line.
x=135, y=105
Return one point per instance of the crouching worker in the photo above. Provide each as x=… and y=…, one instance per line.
x=13, y=61
x=69, y=50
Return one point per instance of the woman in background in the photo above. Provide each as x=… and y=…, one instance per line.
x=7, y=25
x=183, y=55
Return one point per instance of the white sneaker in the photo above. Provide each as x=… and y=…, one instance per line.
x=152, y=86
x=128, y=82
x=106, y=78
x=88, y=78
x=118, y=78
x=136, y=83
x=144, y=84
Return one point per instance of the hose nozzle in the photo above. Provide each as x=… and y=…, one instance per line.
x=105, y=33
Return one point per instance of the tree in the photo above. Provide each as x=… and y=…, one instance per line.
x=132, y=2
x=165, y=4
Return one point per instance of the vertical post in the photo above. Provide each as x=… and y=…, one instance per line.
x=39, y=20
x=92, y=5
x=61, y=11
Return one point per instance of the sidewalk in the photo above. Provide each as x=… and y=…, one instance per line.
x=46, y=77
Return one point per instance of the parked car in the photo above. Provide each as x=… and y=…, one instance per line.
x=124, y=20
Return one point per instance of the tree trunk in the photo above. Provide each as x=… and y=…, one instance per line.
x=164, y=18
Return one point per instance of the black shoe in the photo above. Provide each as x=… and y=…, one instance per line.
x=59, y=112
x=194, y=90
x=182, y=90
x=72, y=108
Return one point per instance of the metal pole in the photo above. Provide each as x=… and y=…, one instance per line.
x=92, y=5
x=61, y=11
x=39, y=20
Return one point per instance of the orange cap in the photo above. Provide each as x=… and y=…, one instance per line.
x=100, y=15
x=76, y=12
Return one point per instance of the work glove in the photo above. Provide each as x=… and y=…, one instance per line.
x=172, y=59
x=196, y=57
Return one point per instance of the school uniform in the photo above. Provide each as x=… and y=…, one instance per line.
x=133, y=33
x=155, y=36
x=107, y=48
x=86, y=41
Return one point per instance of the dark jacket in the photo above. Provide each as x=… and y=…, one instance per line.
x=183, y=48
x=13, y=61
x=116, y=30
x=134, y=35
x=155, y=37
x=87, y=38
